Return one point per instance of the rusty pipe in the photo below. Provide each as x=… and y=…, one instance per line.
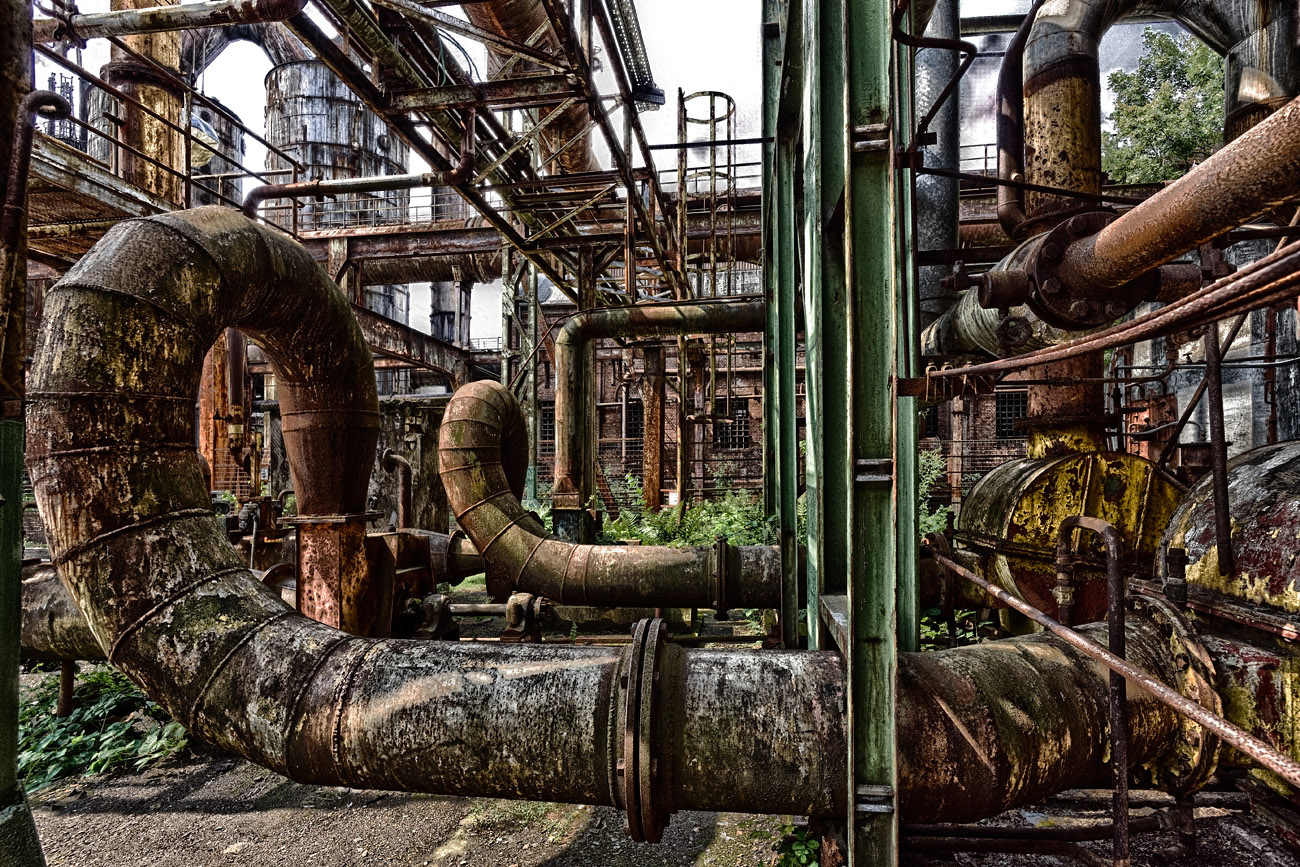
x=13, y=217
x=53, y=627
x=1204, y=713
x=392, y=462
x=119, y=358
x=161, y=19
x=237, y=391
x=640, y=321
x=1011, y=127
x=480, y=420
x=169, y=599
x=302, y=189
x=1256, y=173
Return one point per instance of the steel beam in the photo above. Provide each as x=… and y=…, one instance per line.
x=162, y=19
x=393, y=339
x=19, y=845
x=781, y=455
x=501, y=95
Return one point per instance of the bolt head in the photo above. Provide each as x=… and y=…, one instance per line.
x=1051, y=286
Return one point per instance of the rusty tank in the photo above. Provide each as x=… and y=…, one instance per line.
x=1009, y=523
x=1265, y=530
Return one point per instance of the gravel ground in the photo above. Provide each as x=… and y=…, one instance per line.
x=223, y=811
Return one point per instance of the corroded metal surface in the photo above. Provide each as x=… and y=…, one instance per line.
x=52, y=626
x=163, y=18
x=475, y=449
x=1265, y=529
x=1011, y=518
x=1012, y=721
x=1255, y=174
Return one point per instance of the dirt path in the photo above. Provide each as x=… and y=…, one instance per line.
x=223, y=811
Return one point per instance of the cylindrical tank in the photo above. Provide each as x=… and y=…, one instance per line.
x=315, y=119
x=1012, y=517
x=208, y=159
x=1263, y=484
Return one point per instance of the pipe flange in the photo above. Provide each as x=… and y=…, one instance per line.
x=1056, y=302
x=722, y=554
x=638, y=770
x=1192, y=762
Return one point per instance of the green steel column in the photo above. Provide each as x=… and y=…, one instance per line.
x=771, y=38
x=19, y=846
x=906, y=412
x=782, y=447
x=531, y=359
x=874, y=314
x=828, y=341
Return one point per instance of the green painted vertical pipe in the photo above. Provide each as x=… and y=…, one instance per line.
x=874, y=313
x=531, y=356
x=19, y=846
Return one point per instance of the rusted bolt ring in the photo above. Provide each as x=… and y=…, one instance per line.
x=638, y=767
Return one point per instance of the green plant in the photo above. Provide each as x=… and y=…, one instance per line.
x=541, y=507
x=1168, y=112
x=930, y=468
x=737, y=516
x=113, y=725
x=796, y=848
x=968, y=625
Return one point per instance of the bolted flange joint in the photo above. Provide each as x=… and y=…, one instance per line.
x=1056, y=299
x=640, y=776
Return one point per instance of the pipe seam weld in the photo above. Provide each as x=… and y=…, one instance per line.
x=170, y=600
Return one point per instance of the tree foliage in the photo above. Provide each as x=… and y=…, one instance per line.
x=1168, y=112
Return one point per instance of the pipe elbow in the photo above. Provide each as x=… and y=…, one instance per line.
x=473, y=450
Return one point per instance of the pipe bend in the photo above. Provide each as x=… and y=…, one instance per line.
x=113, y=383
x=473, y=452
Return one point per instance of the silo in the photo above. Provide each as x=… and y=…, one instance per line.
x=223, y=159
x=313, y=117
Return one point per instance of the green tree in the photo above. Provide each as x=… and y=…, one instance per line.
x=1168, y=112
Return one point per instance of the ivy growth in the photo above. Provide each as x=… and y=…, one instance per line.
x=113, y=726
x=796, y=848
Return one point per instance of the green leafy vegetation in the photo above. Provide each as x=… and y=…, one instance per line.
x=113, y=726
x=736, y=515
x=930, y=468
x=968, y=625
x=797, y=848
x=1168, y=112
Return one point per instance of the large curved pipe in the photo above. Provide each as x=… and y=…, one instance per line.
x=637, y=321
x=519, y=21
x=474, y=454
x=115, y=474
